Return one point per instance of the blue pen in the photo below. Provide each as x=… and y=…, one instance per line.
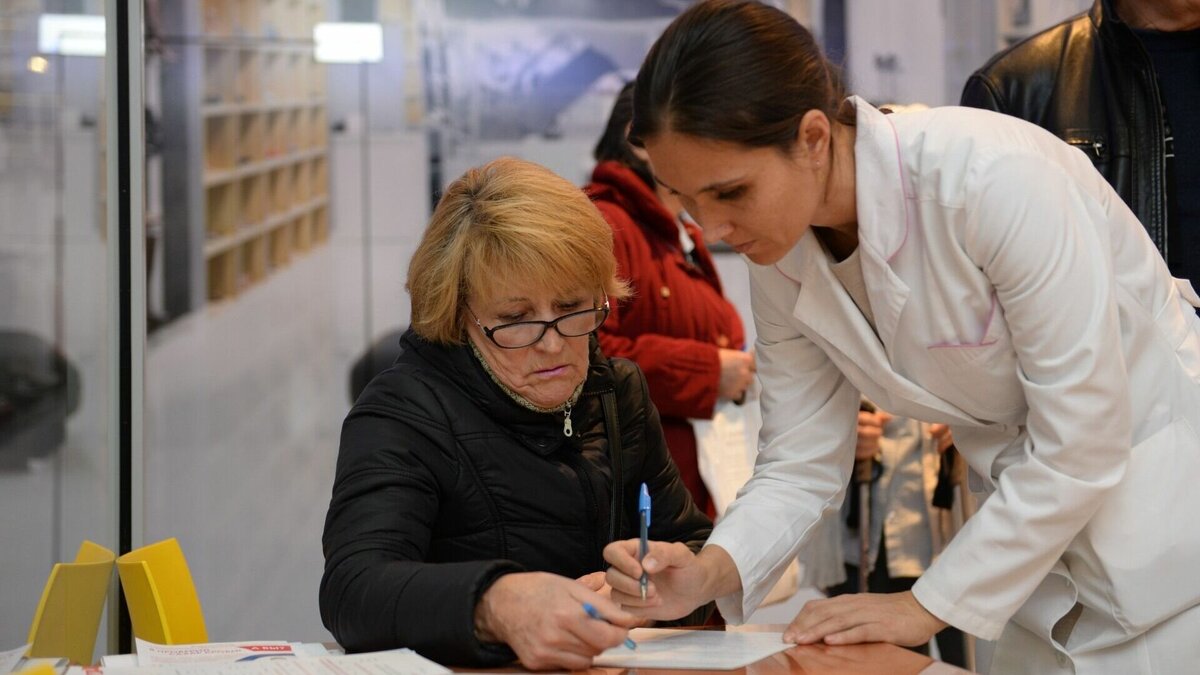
x=644, y=544
x=595, y=614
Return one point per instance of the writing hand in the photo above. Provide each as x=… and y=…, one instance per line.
x=541, y=617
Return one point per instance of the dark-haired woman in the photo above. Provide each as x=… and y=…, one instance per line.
x=676, y=325
x=955, y=266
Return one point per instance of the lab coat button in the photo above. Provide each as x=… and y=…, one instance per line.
x=665, y=292
x=1062, y=659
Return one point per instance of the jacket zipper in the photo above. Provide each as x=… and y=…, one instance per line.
x=568, y=429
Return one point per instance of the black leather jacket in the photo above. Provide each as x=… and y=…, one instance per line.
x=444, y=483
x=1089, y=81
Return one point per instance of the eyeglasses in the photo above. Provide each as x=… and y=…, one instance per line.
x=525, y=333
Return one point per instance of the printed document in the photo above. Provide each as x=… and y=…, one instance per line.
x=9, y=659
x=394, y=662
x=152, y=654
x=692, y=649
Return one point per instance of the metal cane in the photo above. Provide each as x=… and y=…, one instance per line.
x=862, y=475
x=863, y=470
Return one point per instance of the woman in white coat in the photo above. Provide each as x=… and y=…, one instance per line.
x=955, y=266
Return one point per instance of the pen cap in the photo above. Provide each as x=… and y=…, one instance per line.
x=644, y=501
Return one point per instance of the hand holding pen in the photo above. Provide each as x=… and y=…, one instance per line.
x=542, y=617
x=595, y=614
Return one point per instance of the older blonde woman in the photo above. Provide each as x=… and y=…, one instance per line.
x=481, y=476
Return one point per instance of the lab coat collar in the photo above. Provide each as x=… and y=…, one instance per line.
x=824, y=306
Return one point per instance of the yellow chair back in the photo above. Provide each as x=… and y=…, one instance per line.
x=163, y=605
x=68, y=615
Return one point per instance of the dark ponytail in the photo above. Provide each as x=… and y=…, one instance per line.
x=738, y=71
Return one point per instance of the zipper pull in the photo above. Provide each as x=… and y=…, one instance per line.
x=568, y=430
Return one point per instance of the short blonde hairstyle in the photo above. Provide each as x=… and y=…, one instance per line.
x=507, y=219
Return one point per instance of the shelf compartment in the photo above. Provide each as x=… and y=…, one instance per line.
x=219, y=139
x=302, y=236
x=319, y=178
x=249, y=18
x=318, y=129
x=221, y=209
x=254, y=259
x=256, y=195
x=217, y=17
x=280, y=242
x=251, y=138
x=223, y=272
x=248, y=84
x=219, y=66
x=281, y=189
x=302, y=181
x=320, y=225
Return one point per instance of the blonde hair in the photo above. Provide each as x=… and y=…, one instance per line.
x=506, y=219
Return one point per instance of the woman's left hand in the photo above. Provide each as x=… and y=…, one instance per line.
x=864, y=617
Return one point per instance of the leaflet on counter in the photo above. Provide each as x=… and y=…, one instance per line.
x=151, y=654
x=394, y=662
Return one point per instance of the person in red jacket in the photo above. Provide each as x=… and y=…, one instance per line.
x=677, y=325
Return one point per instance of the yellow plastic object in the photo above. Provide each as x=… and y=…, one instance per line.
x=163, y=604
x=68, y=615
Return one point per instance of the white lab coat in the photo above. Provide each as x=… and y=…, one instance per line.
x=1017, y=299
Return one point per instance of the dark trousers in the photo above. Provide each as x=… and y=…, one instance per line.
x=949, y=640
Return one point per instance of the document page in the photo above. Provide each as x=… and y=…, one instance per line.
x=394, y=662
x=692, y=649
x=10, y=658
x=151, y=654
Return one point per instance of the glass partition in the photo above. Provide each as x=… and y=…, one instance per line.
x=55, y=460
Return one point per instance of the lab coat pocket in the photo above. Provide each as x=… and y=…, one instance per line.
x=1144, y=543
x=980, y=378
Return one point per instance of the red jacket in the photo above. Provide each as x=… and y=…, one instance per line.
x=677, y=317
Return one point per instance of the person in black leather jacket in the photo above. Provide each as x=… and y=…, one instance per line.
x=1120, y=83
x=480, y=477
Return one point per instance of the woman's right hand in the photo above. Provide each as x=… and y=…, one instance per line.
x=680, y=581
x=541, y=617
x=737, y=373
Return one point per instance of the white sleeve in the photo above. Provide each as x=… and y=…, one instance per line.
x=806, y=449
x=1042, y=242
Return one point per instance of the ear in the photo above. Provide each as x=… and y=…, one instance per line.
x=812, y=136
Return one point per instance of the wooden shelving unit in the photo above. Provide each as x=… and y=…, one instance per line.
x=247, y=177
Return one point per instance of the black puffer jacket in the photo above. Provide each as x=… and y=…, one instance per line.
x=1089, y=81
x=444, y=483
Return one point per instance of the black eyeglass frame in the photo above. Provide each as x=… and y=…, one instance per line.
x=546, y=325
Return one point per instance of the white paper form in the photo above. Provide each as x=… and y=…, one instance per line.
x=151, y=654
x=692, y=649
x=394, y=662
x=9, y=659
